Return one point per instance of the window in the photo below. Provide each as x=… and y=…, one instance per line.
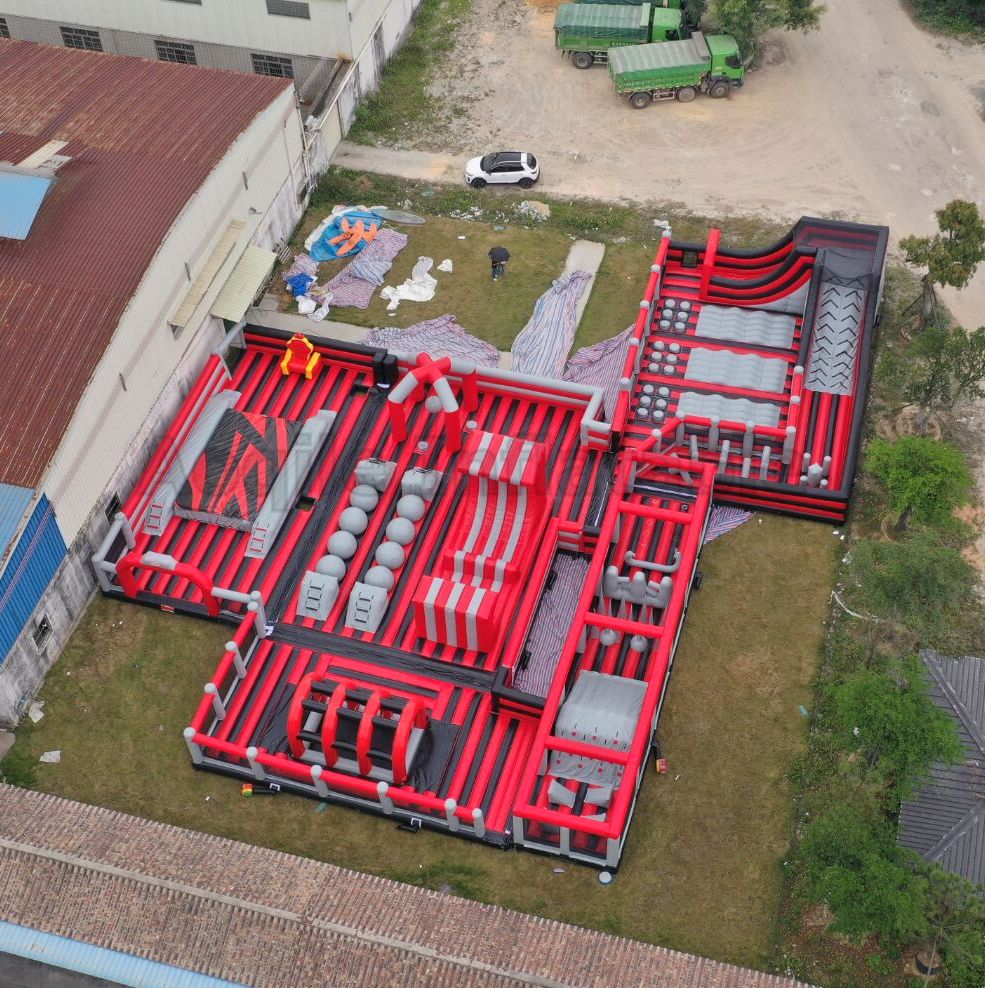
x=175, y=51
x=288, y=8
x=113, y=505
x=81, y=37
x=4, y=30
x=42, y=632
x=283, y=68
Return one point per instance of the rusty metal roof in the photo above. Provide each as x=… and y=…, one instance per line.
x=142, y=137
x=269, y=919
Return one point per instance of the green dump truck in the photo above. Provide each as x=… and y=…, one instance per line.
x=677, y=69
x=586, y=32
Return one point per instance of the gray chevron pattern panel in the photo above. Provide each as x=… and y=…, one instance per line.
x=834, y=340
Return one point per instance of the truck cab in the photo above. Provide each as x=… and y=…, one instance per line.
x=726, y=63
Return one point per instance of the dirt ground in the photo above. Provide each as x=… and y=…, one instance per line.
x=869, y=117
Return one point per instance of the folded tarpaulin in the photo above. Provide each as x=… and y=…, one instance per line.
x=439, y=337
x=541, y=347
x=355, y=284
x=347, y=234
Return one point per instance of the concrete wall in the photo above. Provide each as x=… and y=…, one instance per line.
x=144, y=353
x=238, y=23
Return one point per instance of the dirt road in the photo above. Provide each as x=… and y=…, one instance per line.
x=867, y=118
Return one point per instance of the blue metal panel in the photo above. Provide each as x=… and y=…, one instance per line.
x=21, y=196
x=100, y=962
x=13, y=504
x=30, y=567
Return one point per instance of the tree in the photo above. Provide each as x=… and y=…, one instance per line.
x=956, y=926
x=948, y=365
x=918, y=582
x=693, y=10
x=924, y=479
x=951, y=255
x=891, y=718
x=748, y=20
x=853, y=864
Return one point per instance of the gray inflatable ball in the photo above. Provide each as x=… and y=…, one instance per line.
x=353, y=520
x=401, y=531
x=390, y=554
x=379, y=576
x=364, y=497
x=411, y=506
x=343, y=545
x=331, y=566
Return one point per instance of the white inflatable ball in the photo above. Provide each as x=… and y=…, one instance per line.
x=365, y=497
x=343, y=545
x=411, y=506
x=401, y=531
x=331, y=566
x=379, y=576
x=390, y=554
x=432, y=403
x=353, y=520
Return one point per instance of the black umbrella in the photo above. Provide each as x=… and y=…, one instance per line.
x=499, y=255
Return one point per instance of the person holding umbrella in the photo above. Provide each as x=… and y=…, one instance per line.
x=499, y=256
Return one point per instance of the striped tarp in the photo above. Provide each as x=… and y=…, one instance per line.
x=354, y=284
x=601, y=364
x=441, y=337
x=552, y=624
x=541, y=347
x=722, y=520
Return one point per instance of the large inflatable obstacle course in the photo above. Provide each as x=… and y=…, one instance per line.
x=454, y=592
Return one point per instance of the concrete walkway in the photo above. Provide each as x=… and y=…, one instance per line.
x=585, y=255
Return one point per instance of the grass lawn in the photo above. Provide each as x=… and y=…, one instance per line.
x=701, y=870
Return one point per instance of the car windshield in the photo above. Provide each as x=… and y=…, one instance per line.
x=487, y=162
x=532, y=161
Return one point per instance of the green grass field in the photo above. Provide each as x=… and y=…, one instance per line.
x=701, y=869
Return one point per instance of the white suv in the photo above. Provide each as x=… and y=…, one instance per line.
x=503, y=168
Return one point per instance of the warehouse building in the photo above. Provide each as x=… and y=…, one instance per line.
x=333, y=50
x=140, y=206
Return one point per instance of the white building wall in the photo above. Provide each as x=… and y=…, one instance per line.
x=243, y=23
x=141, y=361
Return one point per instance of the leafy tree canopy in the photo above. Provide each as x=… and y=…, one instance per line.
x=748, y=20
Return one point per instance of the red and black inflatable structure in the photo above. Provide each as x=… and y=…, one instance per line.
x=381, y=531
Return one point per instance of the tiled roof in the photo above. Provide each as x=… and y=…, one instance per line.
x=945, y=820
x=142, y=137
x=269, y=919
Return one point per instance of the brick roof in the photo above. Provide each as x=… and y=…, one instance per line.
x=143, y=136
x=269, y=919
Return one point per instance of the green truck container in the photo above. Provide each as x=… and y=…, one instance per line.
x=669, y=4
x=586, y=32
x=677, y=69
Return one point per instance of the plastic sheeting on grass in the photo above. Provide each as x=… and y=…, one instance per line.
x=722, y=520
x=441, y=337
x=541, y=347
x=419, y=287
x=355, y=284
x=601, y=364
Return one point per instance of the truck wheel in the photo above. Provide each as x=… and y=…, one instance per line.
x=526, y=183
x=582, y=59
x=478, y=183
x=686, y=93
x=640, y=101
x=719, y=90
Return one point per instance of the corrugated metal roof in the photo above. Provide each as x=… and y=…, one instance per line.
x=659, y=55
x=21, y=196
x=13, y=504
x=208, y=273
x=237, y=294
x=143, y=136
x=98, y=962
x=945, y=821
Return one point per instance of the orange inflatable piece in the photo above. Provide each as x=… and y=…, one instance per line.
x=300, y=357
x=352, y=235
